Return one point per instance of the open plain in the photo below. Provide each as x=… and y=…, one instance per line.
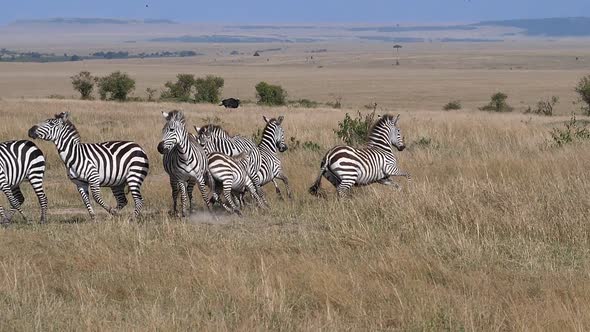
x=491, y=234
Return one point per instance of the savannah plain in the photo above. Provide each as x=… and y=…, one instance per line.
x=491, y=234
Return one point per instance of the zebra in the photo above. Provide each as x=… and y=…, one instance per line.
x=232, y=173
x=184, y=160
x=20, y=160
x=273, y=139
x=218, y=140
x=114, y=164
x=346, y=166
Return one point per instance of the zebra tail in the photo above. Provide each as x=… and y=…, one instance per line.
x=315, y=188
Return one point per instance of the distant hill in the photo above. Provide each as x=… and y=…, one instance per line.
x=90, y=20
x=229, y=39
x=550, y=27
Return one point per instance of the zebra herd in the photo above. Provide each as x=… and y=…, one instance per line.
x=224, y=167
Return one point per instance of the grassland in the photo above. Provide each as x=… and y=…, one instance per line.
x=491, y=234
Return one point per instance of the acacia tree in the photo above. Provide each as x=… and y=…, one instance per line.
x=83, y=82
x=115, y=86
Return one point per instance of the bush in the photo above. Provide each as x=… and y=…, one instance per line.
x=151, y=93
x=544, y=107
x=295, y=145
x=83, y=82
x=583, y=89
x=498, y=104
x=574, y=131
x=116, y=86
x=355, y=131
x=208, y=89
x=453, y=105
x=304, y=103
x=268, y=94
x=181, y=90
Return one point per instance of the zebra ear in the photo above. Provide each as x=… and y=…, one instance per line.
x=197, y=129
x=265, y=119
x=396, y=119
x=64, y=116
x=280, y=119
x=165, y=115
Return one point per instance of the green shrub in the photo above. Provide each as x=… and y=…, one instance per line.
x=355, y=131
x=544, y=107
x=181, y=90
x=115, y=86
x=573, y=131
x=208, y=89
x=583, y=90
x=83, y=82
x=268, y=94
x=453, y=105
x=498, y=104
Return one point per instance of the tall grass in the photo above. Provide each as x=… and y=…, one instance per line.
x=491, y=234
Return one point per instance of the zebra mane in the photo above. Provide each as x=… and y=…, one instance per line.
x=381, y=122
x=65, y=118
x=213, y=129
x=176, y=115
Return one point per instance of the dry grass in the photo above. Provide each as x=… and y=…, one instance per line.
x=492, y=234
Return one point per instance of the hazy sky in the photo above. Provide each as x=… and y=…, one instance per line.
x=296, y=11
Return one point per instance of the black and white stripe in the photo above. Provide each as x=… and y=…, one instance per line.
x=19, y=161
x=229, y=176
x=346, y=166
x=184, y=160
x=115, y=164
x=218, y=140
x=273, y=140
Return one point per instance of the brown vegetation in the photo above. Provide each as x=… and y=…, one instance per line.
x=491, y=234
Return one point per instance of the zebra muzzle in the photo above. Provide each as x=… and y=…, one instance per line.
x=33, y=132
x=161, y=148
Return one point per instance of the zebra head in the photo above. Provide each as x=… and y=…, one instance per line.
x=395, y=134
x=385, y=133
x=174, y=131
x=204, y=136
x=54, y=128
x=274, y=134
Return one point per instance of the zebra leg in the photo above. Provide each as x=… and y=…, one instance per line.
x=278, y=191
x=83, y=190
x=189, y=190
x=285, y=180
x=388, y=182
x=227, y=185
x=174, y=186
x=201, y=184
x=119, y=193
x=95, y=191
x=2, y=215
x=344, y=187
x=183, y=198
x=135, y=189
x=15, y=198
x=37, y=184
x=259, y=190
x=254, y=194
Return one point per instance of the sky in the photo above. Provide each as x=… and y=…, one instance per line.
x=295, y=11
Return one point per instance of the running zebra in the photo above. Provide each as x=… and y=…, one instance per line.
x=20, y=160
x=232, y=174
x=115, y=164
x=184, y=160
x=345, y=166
x=273, y=139
x=218, y=140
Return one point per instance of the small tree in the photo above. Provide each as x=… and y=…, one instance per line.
x=83, y=82
x=115, y=86
x=355, y=131
x=208, y=89
x=583, y=89
x=544, y=107
x=498, y=104
x=452, y=105
x=181, y=90
x=268, y=94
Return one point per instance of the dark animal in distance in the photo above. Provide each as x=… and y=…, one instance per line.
x=230, y=103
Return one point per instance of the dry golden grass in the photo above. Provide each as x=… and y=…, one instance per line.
x=492, y=234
